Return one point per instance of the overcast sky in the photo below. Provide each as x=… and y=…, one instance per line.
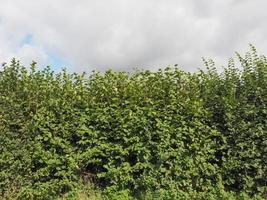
x=122, y=34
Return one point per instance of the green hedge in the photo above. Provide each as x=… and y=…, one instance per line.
x=147, y=135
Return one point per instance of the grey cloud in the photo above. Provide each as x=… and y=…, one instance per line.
x=123, y=34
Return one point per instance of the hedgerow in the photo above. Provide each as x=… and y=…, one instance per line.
x=168, y=134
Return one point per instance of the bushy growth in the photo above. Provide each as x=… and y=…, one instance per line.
x=147, y=135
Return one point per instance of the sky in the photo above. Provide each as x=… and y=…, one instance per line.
x=88, y=35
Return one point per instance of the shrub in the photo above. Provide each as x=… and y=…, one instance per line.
x=154, y=135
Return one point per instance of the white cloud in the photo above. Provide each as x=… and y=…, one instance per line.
x=123, y=34
x=27, y=53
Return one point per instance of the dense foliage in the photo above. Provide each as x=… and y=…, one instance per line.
x=147, y=135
